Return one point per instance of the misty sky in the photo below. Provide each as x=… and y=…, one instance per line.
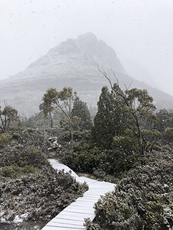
x=141, y=30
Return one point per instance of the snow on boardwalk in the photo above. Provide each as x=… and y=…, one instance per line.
x=72, y=217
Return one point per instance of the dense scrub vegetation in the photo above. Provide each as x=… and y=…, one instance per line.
x=30, y=189
x=143, y=199
x=129, y=143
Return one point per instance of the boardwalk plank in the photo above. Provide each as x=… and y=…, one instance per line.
x=72, y=217
x=63, y=228
x=72, y=221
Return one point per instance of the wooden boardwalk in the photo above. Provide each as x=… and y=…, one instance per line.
x=72, y=217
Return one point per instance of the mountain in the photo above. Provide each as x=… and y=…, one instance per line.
x=75, y=63
x=138, y=71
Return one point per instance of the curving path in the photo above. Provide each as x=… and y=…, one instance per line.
x=72, y=217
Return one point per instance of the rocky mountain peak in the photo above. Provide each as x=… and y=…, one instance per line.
x=98, y=49
x=86, y=47
x=87, y=41
x=84, y=43
x=73, y=63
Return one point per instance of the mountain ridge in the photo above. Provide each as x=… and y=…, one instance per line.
x=74, y=63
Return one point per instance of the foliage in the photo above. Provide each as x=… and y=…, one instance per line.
x=4, y=139
x=164, y=120
x=85, y=157
x=141, y=200
x=14, y=171
x=7, y=116
x=73, y=113
x=61, y=101
x=39, y=120
x=40, y=196
x=29, y=185
x=151, y=137
x=125, y=143
x=16, y=162
x=49, y=100
x=121, y=112
x=105, y=122
x=168, y=137
x=81, y=111
x=78, y=136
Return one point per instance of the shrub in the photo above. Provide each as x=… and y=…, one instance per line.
x=141, y=200
x=40, y=196
x=77, y=136
x=4, y=139
x=14, y=171
x=22, y=157
x=85, y=157
x=19, y=161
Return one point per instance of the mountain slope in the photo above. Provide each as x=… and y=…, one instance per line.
x=74, y=63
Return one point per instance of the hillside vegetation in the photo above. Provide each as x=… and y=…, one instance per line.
x=127, y=142
x=31, y=191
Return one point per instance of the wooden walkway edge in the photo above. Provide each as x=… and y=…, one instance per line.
x=72, y=217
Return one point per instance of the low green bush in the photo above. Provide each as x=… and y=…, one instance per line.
x=85, y=157
x=18, y=161
x=41, y=196
x=4, y=139
x=77, y=136
x=141, y=200
x=14, y=171
x=21, y=157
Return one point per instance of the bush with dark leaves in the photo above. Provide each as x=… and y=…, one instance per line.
x=143, y=200
x=39, y=196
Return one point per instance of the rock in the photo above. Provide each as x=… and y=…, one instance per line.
x=53, y=143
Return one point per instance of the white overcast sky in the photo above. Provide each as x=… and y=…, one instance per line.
x=138, y=29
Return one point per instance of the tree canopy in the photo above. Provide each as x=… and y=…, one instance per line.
x=73, y=112
x=7, y=116
x=81, y=111
x=125, y=117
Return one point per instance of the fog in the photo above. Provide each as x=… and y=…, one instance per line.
x=138, y=30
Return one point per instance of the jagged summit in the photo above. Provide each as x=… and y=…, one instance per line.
x=87, y=38
x=81, y=55
x=74, y=63
x=74, y=55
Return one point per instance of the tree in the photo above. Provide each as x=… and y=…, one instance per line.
x=125, y=114
x=106, y=123
x=48, y=105
x=168, y=137
x=7, y=116
x=164, y=120
x=140, y=110
x=62, y=102
x=81, y=112
x=103, y=131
